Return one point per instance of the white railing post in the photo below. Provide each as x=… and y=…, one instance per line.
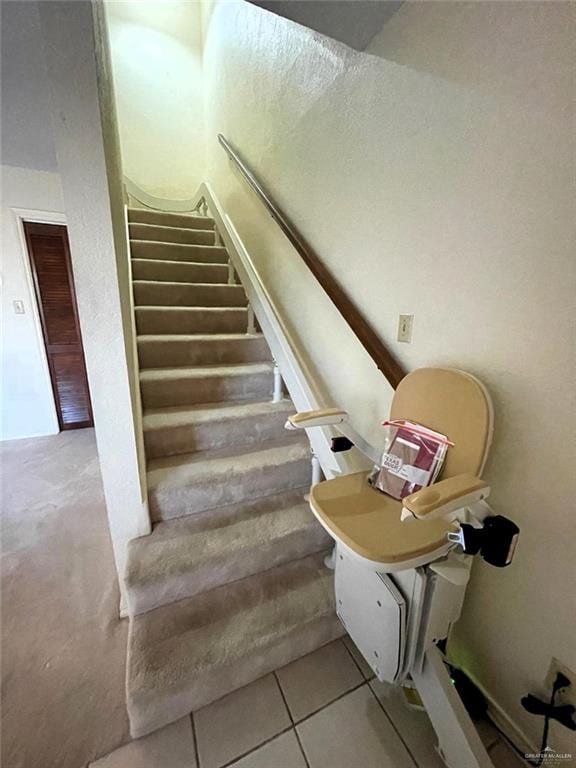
x=217, y=238
x=316, y=473
x=251, y=327
x=316, y=470
x=277, y=394
x=231, y=273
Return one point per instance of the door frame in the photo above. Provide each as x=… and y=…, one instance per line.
x=38, y=217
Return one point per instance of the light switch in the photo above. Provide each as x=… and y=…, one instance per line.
x=405, y=323
x=19, y=307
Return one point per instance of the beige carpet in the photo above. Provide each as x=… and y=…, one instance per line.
x=63, y=646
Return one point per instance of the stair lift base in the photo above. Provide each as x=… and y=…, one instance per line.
x=396, y=621
x=399, y=582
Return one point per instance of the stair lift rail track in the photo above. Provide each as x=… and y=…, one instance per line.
x=363, y=330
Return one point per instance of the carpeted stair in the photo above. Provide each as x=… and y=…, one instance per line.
x=230, y=584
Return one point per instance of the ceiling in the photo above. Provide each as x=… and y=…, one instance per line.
x=26, y=114
x=354, y=22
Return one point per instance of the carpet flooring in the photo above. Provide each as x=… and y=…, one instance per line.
x=63, y=645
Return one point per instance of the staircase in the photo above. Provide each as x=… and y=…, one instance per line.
x=231, y=583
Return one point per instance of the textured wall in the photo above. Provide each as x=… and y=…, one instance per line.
x=91, y=185
x=434, y=176
x=157, y=57
x=27, y=402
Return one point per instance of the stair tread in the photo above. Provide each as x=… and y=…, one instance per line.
x=218, y=286
x=185, y=543
x=167, y=228
x=186, y=468
x=188, y=653
x=179, y=415
x=193, y=218
x=202, y=371
x=188, y=308
x=161, y=250
x=197, y=336
x=223, y=267
x=171, y=244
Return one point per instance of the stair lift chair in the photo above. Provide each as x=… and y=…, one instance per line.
x=402, y=567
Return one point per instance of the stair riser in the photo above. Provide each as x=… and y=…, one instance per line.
x=142, y=216
x=147, y=713
x=171, y=234
x=154, y=321
x=143, y=269
x=169, y=503
x=219, y=389
x=145, y=249
x=155, y=354
x=188, y=295
x=248, y=431
x=224, y=570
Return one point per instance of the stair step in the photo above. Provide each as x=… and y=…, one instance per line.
x=188, y=349
x=162, y=293
x=185, y=429
x=151, y=249
x=184, y=557
x=164, y=218
x=193, y=482
x=171, y=234
x=178, y=271
x=192, y=385
x=191, y=319
x=187, y=654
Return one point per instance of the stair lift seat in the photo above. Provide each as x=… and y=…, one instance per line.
x=381, y=529
x=399, y=579
x=368, y=524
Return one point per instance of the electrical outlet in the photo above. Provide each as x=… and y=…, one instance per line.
x=564, y=695
x=405, y=323
x=18, y=305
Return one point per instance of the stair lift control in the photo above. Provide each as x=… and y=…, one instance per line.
x=402, y=566
x=495, y=541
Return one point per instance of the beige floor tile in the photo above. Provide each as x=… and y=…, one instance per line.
x=239, y=722
x=413, y=726
x=353, y=732
x=314, y=680
x=283, y=752
x=504, y=757
x=170, y=747
x=365, y=668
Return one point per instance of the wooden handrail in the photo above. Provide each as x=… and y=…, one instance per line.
x=365, y=333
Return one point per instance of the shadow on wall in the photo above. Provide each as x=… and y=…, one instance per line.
x=353, y=22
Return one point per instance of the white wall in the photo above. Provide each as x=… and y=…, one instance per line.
x=436, y=177
x=27, y=402
x=157, y=59
x=87, y=150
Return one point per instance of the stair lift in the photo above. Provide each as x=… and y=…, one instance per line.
x=402, y=567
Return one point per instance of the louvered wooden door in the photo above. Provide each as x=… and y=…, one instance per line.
x=54, y=285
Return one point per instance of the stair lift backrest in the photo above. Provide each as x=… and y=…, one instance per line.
x=455, y=404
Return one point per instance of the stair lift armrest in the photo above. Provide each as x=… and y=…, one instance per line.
x=339, y=419
x=444, y=498
x=320, y=418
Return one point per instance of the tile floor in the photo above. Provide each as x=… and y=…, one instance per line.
x=325, y=710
